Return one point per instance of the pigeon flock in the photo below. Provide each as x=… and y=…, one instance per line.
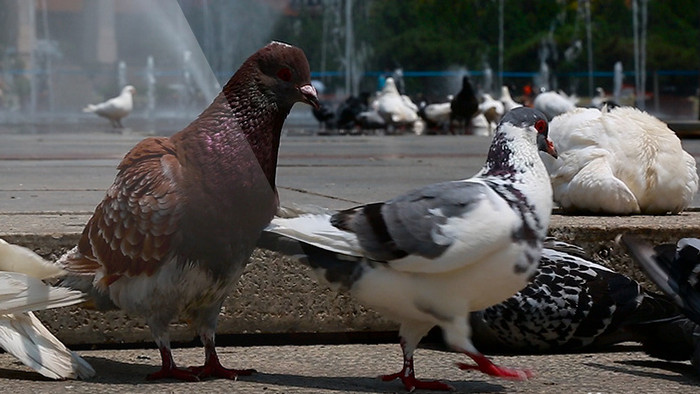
x=175, y=230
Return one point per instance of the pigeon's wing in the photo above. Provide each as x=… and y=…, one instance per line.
x=434, y=229
x=23, y=336
x=22, y=293
x=133, y=228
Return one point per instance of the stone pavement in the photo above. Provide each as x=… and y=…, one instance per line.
x=50, y=183
x=354, y=369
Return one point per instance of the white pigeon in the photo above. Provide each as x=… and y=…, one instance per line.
x=620, y=161
x=491, y=108
x=507, y=99
x=21, y=333
x=431, y=256
x=115, y=108
x=553, y=103
x=397, y=110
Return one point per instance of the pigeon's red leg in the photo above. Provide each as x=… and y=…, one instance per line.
x=212, y=366
x=485, y=365
x=408, y=377
x=170, y=371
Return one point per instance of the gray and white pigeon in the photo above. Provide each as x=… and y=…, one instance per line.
x=675, y=269
x=430, y=256
x=574, y=304
x=115, y=108
x=176, y=228
x=23, y=291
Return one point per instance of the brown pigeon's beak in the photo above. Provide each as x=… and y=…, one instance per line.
x=310, y=95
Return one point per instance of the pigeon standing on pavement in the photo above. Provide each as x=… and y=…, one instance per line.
x=23, y=291
x=574, y=304
x=175, y=230
x=430, y=256
x=115, y=108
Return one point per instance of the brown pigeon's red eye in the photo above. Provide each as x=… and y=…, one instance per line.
x=541, y=126
x=284, y=74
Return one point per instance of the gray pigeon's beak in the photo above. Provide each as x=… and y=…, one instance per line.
x=546, y=145
x=310, y=95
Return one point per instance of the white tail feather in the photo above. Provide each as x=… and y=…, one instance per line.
x=316, y=230
x=15, y=258
x=26, y=338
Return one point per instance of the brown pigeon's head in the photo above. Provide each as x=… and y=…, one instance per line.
x=282, y=71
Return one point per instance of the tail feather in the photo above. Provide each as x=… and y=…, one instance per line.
x=15, y=258
x=316, y=230
x=333, y=254
x=23, y=336
x=23, y=293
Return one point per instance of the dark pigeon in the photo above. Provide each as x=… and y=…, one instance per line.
x=675, y=269
x=464, y=106
x=175, y=230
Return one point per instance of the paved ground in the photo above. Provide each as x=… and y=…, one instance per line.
x=353, y=369
x=50, y=182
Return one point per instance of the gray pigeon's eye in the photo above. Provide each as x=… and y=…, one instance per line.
x=541, y=126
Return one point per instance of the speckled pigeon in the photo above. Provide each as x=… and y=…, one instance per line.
x=575, y=304
x=430, y=256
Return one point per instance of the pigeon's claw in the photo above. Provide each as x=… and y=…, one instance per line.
x=485, y=365
x=213, y=368
x=173, y=372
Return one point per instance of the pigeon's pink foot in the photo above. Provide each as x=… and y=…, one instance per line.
x=213, y=368
x=485, y=365
x=411, y=383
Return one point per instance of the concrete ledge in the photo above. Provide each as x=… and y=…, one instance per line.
x=277, y=295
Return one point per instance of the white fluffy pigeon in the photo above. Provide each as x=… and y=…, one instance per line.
x=620, y=161
x=115, y=108
x=396, y=109
x=21, y=333
x=430, y=256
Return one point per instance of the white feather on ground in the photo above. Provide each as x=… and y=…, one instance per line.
x=115, y=108
x=21, y=333
x=621, y=161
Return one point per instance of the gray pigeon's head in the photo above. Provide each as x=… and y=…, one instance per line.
x=531, y=121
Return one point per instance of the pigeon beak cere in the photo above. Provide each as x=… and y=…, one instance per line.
x=310, y=95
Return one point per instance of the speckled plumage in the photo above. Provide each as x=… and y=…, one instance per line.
x=176, y=228
x=573, y=304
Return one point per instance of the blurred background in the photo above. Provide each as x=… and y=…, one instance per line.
x=56, y=56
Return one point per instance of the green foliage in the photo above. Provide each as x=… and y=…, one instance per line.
x=440, y=34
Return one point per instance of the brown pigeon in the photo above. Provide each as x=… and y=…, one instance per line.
x=175, y=230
